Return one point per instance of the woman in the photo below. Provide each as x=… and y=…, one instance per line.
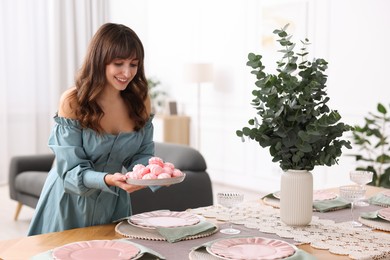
x=103, y=124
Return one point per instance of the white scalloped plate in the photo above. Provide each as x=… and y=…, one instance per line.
x=156, y=182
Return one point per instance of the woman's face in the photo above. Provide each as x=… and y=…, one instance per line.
x=120, y=72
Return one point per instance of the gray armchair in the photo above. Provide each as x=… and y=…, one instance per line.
x=28, y=173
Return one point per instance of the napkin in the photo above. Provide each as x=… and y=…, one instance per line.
x=299, y=253
x=176, y=234
x=370, y=215
x=271, y=196
x=373, y=215
x=380, y=199
x=331, y=205
x=145, y=253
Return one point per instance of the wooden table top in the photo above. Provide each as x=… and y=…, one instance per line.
x=26, y=247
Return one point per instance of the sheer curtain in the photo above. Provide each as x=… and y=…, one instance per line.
x=42, y=45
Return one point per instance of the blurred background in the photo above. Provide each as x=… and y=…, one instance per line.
x=43, y=43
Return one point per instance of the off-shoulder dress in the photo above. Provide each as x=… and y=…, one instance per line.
x=75, y=194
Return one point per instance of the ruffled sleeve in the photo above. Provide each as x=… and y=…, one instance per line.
x=73, y=166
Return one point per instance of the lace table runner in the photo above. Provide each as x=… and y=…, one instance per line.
x=338, y=238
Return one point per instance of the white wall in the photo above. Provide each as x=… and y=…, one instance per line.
x=350, y=35
x=41, y=47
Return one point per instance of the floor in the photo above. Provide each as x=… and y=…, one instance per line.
x=10, y=229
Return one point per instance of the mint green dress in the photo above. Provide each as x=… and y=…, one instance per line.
x=75, y=194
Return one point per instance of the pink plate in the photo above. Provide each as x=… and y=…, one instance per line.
x=384, y=214
x=254, y=248
x=96, y=249
x=386, y=193
x=163, y=218
x=318, y=195
x=156, y=182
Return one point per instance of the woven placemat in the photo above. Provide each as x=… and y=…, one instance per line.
x=125, y=229
x=201, y=254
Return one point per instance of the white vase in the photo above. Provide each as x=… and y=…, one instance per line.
x=296, y=197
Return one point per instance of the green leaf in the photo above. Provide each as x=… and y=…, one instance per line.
x=384, y=180
x=305, y=147
x=246, y=131
x=285, y=27
x=252, y=56
x=282, y=34
x=296, y=158
x=381, y=108
x=383, y=158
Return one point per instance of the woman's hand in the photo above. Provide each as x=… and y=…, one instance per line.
x=119, y=180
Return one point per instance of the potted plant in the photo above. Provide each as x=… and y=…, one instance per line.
x=372, y=139
x=157, y=95
x=294, y=121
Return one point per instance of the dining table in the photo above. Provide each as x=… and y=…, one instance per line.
x=27, y=247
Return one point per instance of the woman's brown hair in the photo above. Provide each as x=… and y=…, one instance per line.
x=110, y=42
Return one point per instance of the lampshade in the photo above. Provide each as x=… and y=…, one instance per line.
x=199, y=72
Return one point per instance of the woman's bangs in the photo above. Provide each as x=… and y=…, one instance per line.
x=124, y=49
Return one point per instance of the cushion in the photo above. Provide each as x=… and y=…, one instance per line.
x=30, y=182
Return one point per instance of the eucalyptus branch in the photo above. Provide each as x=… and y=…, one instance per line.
x=371, y=139
x=297, y=126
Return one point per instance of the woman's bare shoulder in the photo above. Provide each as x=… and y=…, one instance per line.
x=67, y=107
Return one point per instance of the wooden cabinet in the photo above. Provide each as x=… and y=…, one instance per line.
x=172, y=129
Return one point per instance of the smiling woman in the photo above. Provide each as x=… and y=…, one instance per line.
x=103, y=125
